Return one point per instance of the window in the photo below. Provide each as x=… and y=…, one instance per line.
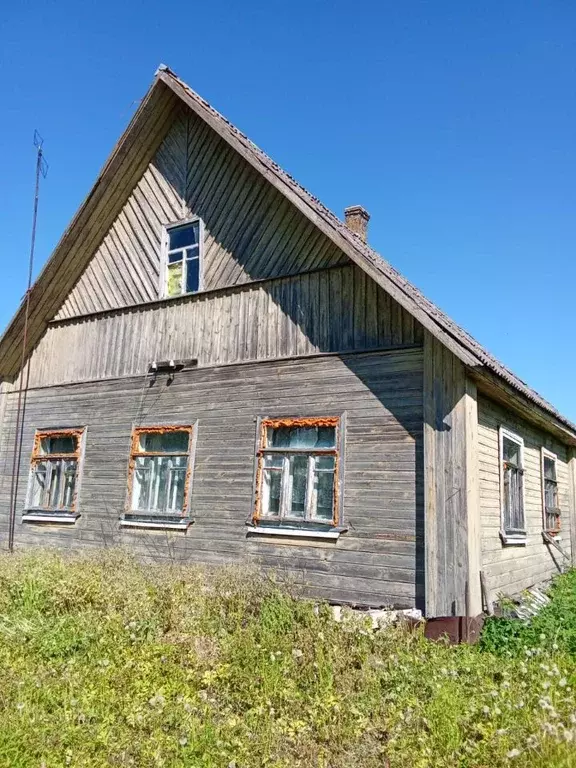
x=551, y=508
x=53, y=487
x=297, y=480
x=512, y=475
x=159, y=475
x=182, y=258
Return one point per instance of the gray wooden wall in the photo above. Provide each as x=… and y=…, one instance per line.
x=452, y=530
x=338, y=309
x=251, y=230
x=510, y=569
x=379, y=561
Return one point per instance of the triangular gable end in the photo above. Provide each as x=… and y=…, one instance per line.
x=126, y=167
x=195, y=173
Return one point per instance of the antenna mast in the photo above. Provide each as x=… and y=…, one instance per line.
x=41, y=170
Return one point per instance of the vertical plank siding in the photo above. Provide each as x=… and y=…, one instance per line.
x=452, y=535
x=377, y=562
x=251, y=230
x=326, y=311
x=511, y=569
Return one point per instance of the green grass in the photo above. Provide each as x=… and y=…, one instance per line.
x=104, y=662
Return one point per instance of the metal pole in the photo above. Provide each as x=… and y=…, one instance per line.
x=24, y=364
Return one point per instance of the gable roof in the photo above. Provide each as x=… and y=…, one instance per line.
x=131, y=153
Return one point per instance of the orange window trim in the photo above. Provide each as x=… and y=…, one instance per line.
x=306, y=421
x=135, y=453
x=41, y=434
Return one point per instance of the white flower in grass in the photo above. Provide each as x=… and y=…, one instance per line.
x=554, y=646
x=497, y=711
x=505, y=684
x=20, y=707
x=546, y=685
x=297, y=653
x=563, y=682
x=513, y=753
x=494, y=694
x=486, y=710
x=183, y=741
x=501, y=731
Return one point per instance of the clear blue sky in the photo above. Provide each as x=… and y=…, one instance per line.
x=452, y=122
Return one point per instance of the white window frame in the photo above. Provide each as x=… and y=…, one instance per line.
x=164, y=258
x=545, y=453
x=510, y=538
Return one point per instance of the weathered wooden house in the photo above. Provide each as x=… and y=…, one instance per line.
x=218, y=369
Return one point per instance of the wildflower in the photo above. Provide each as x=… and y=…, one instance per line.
x=546, y=684
x=513, y=753
x=297, y=653
x=520, y=704
x=494, y=694
x=497, y=711
x=555, y=646
x=501, y=731
x=486, y=710
x=562, y=682
x=505, y=684
x=183, y=741
x=20, y=707
x=542, y=636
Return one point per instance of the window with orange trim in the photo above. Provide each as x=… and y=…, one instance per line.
x=159, y=472
x=54, y=474
x=297, y=474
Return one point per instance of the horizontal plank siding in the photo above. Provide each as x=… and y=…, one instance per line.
x=376, y=562
x=323, y=311
x=510, y=569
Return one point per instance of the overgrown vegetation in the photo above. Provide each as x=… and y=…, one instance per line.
x=105, y=662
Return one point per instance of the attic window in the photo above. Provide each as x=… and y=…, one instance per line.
x=182, y=258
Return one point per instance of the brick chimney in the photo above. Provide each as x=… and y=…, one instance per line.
x=357, y=219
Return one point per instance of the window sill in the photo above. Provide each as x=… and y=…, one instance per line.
x=513, y=539
x=556, y=535
x=156, y=523
x=67, y=518
x=263, y=530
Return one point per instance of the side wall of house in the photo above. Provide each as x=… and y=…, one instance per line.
x=378, y=561
x=509, y=568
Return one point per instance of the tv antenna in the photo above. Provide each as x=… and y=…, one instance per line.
x=41, y=171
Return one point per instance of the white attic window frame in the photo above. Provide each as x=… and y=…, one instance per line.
x=165, y=252
x=511, y=537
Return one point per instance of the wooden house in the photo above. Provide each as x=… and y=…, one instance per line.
x=220, y=370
